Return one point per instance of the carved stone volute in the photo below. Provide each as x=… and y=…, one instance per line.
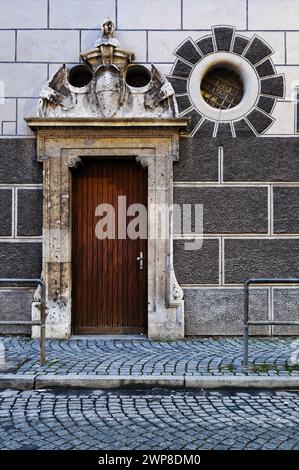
x=106, y=84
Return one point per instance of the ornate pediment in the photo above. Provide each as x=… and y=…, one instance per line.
x=107, y=84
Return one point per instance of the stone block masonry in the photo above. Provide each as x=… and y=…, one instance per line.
x=7, y=46
x=20, y=226
x=198, y=14
x=249, y=189
x=273, y=15
x=249, y=186
x=23, y=14
x=46, y=45
x=77, y=14
x=31, y=35
x=155, y=14
x=230, y=209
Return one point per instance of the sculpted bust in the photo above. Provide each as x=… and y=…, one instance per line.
x=107, y=39
x=100, y=86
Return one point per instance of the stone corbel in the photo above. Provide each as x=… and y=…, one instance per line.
x=74, y=162
x=142, y=160
x=175, y=294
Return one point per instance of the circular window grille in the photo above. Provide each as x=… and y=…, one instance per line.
x=226, y=81
x=222, y=88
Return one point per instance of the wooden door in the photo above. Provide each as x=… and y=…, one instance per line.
x=109, y=289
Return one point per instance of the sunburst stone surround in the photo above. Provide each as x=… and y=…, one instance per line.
x=251, y=59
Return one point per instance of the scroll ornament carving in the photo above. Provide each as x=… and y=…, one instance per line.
x=142, y=160
x=74, y=162
x=99, y=85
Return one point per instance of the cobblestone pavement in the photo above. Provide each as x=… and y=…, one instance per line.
x=148, y=420
x=267, y=356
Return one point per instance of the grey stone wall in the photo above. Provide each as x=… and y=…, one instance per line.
x=20, y=226
x=249, y=188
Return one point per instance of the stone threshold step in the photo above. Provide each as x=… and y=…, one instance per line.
x=74, y=381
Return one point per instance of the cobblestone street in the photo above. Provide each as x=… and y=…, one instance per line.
x=204, y=356
x=153, y=419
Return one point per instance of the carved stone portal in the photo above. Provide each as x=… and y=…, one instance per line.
x=92, y=111
x=107, y=84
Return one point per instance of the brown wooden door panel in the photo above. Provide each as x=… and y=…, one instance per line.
x=109, y=291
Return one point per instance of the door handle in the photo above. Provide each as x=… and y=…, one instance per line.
x=140, y=259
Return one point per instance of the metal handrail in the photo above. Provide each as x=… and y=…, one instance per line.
x=246, y=321
x=41, y=323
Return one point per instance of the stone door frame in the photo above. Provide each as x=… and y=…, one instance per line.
x=61, y=144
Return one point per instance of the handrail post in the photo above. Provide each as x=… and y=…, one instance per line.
x=43, y=324
x=42, y=321
x=43, y=334
x=245, y=324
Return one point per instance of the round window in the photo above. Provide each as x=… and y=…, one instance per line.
x=80, y=76
x=138, y=76
x=222, y=88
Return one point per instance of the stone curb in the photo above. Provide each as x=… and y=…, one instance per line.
x=17, y=382
x=75, y=381
x=108, y=381
x=249, y=381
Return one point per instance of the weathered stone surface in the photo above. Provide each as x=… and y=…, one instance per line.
x=101, y=91
x=181, y=69
x=242, y=129
x=197, y=266
x=18, y=161
x=257, y=51
x=156, y=148
x=183, y=102
x=286, y=210
x=266, y=104
x=260, y=258
x=188, y=52
x=206, y=129
x=239, y=44
x=285, y=308
x=205, y=45
x=259, y=120
x=198, y=160
x=15, y=305
x=223, y=38
x=265, y=68
x=273, y=86
x=263, y=159
x=20, y=260
x=220, y=311
x=5, y=212
x=29, y=212
x=228, y=210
